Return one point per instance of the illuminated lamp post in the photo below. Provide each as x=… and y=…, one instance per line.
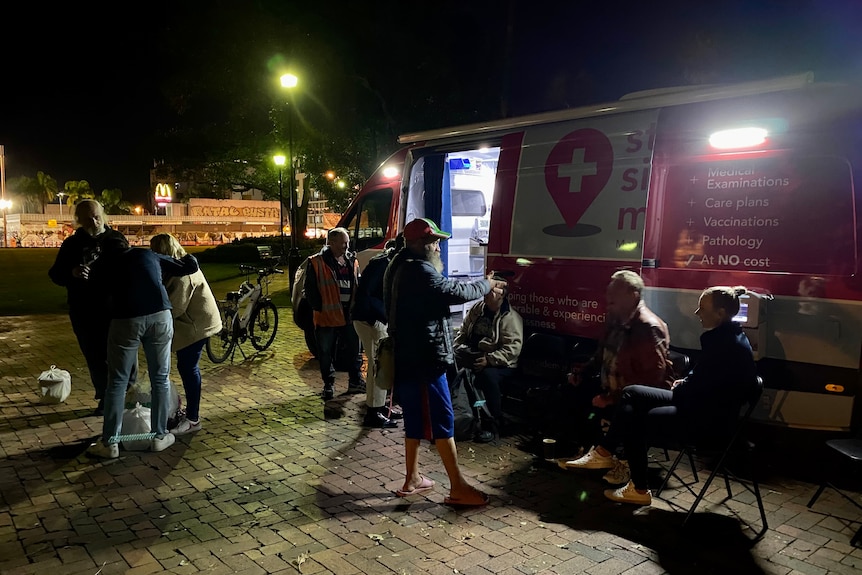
x=138, y=211
x=289, y=81
x=5, y=205
x=280, y=161
x=60, y=201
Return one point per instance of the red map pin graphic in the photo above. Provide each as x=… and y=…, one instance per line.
x=578, y=168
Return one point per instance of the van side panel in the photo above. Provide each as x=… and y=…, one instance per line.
x=504, y=192
x=778, y=217
x=582, y=188
x=569, y=210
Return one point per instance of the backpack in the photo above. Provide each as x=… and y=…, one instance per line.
x=468, y=404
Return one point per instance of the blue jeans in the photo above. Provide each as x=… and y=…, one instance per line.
x=154, y=332
x=188, y=359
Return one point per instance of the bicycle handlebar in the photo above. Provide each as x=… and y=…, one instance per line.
x=260, y=271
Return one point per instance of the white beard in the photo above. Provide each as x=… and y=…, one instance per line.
x=433, y=256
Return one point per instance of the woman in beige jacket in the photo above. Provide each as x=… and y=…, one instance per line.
x=196, y=318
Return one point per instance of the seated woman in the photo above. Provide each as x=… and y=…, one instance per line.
x=489, y=344
x=705, y=404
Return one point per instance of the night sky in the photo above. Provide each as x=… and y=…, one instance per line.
x=85, y=91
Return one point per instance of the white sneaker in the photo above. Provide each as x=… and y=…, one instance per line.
x=592, y=460
x=103, y=451
x=163, y=443
x=186, y=426
x=620, y=474
x=628, y=494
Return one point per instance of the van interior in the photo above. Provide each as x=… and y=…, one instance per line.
x=460, y=202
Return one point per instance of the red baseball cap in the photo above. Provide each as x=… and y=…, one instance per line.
x=422, y=228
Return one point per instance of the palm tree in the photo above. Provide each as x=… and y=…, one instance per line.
x=110, y=200
x=78, y=190
x=46, y=189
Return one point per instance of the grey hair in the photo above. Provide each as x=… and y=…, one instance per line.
x=331, y=233
x=630, y=279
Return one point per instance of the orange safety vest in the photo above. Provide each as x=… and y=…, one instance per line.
x=332, y=312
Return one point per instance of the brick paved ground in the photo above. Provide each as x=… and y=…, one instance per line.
x=276, y=483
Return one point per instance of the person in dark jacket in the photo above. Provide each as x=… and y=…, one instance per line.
x=417, y=298
x=330, y=286
x=369, y=321
x=703, y=406
x=88, y=313
x=140, y=317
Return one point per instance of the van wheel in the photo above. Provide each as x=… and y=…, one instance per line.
x=310, y=342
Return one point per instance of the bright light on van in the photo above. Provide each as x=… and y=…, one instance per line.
x=627, y=247
x=737, y=138
x=390, y=172
x=523, y=262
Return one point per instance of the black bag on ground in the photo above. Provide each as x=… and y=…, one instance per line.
x=468, y=403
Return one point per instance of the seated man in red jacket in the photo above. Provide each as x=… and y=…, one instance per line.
x=634, y=350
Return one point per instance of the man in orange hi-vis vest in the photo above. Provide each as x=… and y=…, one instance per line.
x=330, y=286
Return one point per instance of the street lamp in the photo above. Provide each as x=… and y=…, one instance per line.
x=5, y=205
x=60, y=201
x=289, y=81
x=279, y=161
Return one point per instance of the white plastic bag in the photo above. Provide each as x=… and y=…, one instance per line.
x=56, y=385
x=140, y=393
x=136, y=421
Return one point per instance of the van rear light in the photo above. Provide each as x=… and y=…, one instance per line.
x=390, y=172
x=738, y=138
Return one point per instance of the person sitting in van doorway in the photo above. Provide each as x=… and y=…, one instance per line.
x=330, y=288
x=489, y=343
x=369, y=321
x=417, y=297
x=634, y=350
x=703, y=406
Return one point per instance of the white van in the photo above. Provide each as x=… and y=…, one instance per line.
x=750, y=184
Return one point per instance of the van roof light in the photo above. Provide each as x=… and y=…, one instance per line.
x=737, y=138
x=390, y=172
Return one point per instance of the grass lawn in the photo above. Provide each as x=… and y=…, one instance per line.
x=26, y=288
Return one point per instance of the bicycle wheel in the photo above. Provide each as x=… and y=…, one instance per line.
x=263, y=326
x=220, y=345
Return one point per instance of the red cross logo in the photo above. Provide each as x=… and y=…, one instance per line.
x=578, y=168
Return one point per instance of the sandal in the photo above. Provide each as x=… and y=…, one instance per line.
x=477, y=499
x=424, y=486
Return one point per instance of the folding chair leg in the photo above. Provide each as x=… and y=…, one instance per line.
x=756, y=486
x=817, y=494
x=727, y=485
x=697, y=500
x=693, y=466
x=670, y=472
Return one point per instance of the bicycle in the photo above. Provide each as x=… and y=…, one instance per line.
x=247, y=314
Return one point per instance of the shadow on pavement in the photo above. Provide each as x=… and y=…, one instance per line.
x=710, y=543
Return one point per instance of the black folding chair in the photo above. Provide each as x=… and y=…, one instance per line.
x=849, y=449
x=541, y=366
x=738, y=445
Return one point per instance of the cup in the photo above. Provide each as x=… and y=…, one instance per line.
x=548, y=447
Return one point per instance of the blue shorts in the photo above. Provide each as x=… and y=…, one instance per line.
x=427, y=406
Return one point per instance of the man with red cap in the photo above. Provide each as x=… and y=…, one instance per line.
x=417, y=298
